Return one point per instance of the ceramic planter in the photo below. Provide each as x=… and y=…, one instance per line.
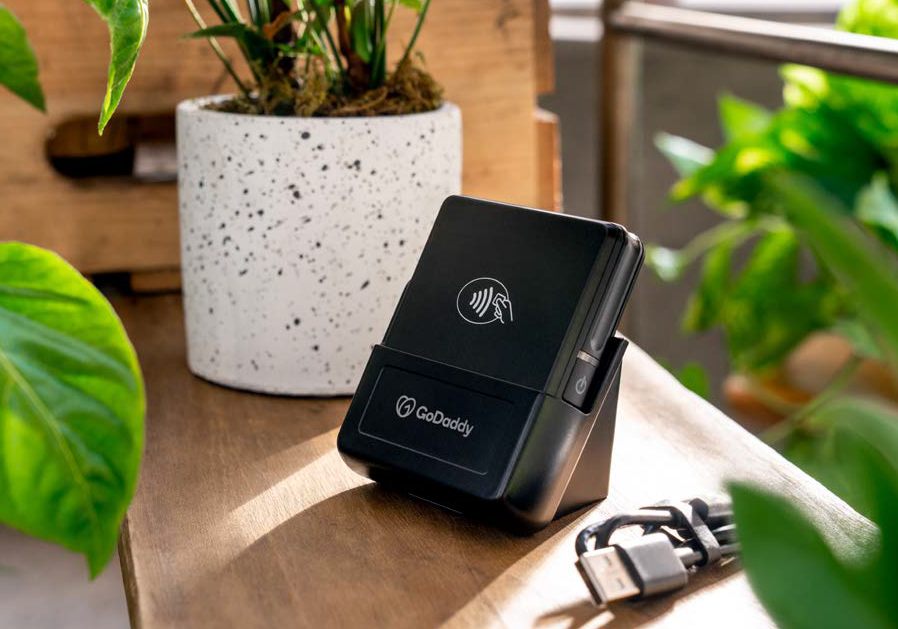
x=298, y=235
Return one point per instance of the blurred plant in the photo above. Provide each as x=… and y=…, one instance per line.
x=851, y=444
x=841, y=132
x=72, y=409
x=810, y=191
x=299, y=68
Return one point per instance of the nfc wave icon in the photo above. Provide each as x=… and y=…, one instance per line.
x=484, y=300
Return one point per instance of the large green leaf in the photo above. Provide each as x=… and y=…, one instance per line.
x=18, y=64
x=852, y=446
x=793, y=571
x=127, y=21
x=72, y=411
x=866, y=447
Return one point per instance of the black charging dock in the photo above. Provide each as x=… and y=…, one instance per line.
x=494, y=392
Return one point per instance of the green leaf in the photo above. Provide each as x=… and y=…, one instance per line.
x=684, y=155
x=705, y=305
x=868, y=272
x=769, y=309
x=877, y=208
x=259, y=49
x=18, y=63
x=740, y=117
x=695, y=378
x=804, y=87
x=127, y=21
x=793, y=571
x=360, y=27
x=412, y=4
x=72, y=412
x=870, y=17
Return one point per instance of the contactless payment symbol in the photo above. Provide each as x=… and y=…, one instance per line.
x=484, y=300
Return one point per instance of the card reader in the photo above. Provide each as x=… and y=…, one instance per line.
x=485, y=392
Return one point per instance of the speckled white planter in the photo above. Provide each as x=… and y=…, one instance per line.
x=298, y=235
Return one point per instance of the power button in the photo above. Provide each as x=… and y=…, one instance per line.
x=581, y=378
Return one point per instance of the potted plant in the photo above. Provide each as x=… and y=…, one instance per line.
x=306, y=198
x=73, y=409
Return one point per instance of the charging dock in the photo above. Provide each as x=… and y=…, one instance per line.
x=494, y=391
x=479, y=445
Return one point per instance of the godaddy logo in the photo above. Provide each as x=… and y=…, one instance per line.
x=407, y=405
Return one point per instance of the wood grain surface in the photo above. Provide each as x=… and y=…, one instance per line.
x=245, y=515
x=483, y=51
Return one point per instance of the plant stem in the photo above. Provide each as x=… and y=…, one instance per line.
x=330, y=40
x=781, y=431
x=264, y=12
x=357, y=71
x=233, y=10
x=411, y=43
x=379, y=65
x=218, y=51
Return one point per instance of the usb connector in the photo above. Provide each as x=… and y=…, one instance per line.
x=675, y=536
x=643, y=566
x=606, y=575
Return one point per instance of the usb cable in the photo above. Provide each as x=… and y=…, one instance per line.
x=675, y=537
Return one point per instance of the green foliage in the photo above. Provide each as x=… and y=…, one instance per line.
x=814, y=185
x=18, y=65
x=839, y=132
x=127, y=21
x=850, y=444
x=303, y=66
x=71, y=417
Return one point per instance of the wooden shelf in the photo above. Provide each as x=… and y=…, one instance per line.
x=245, y=515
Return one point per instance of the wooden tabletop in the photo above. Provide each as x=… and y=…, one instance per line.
x=245, y=515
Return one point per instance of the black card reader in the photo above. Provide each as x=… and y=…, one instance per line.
x=485, y=392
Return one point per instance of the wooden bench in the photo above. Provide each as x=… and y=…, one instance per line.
x=245, y=515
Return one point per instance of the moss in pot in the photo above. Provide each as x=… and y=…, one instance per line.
x=306, y=198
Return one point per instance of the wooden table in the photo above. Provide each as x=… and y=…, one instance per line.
x=245, y=515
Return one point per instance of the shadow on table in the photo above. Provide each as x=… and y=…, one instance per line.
x=376, y=557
